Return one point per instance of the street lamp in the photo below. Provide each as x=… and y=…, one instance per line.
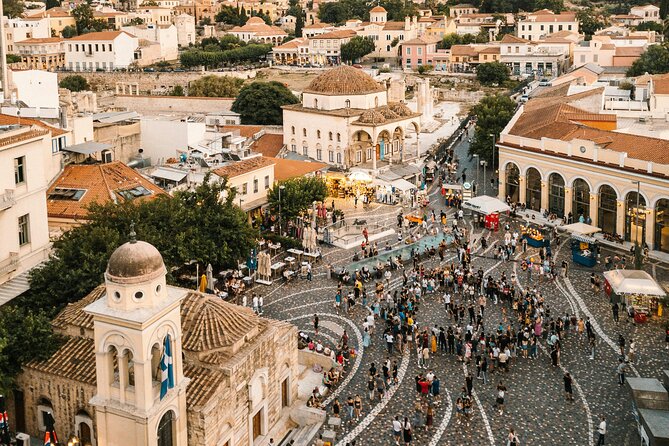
x=476, y=155
x=637, y=249
x=484, y=163
x=282, y=187
x=493, y=136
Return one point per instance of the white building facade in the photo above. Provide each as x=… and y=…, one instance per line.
x=106, y=51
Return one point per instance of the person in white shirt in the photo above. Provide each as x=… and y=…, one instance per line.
x=255, y=303
x=260, y=304
x=601, y=430
x=397, y=430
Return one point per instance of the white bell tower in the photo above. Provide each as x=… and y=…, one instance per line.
x=132, y=324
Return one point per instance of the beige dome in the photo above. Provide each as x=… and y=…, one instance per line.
x=135, y=261
x=255, y=20
x=400, y=109
x=344, y=80
x=378, y=9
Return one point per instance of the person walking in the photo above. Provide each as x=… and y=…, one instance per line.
x=397, y=430
x=315, y=321
x=568, y=386
x=357, y=406
x=601, y=430
x=501, y=391
x=615, y=309
x=512, y=438
x=406, y=431
x=621, y=371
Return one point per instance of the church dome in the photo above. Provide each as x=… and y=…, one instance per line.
x=371, y=117
x=255, y=21
x=344, y=80
x=135, y=261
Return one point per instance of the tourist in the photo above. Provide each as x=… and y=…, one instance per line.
x=601, y=430
x=406, y=431
x=568, y=386
x=397, y=430
x=620, y=370
x=512, y=438
x=357, y=406
x=315, y=321
x=501, y=392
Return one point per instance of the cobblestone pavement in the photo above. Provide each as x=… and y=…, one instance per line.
x=535, y=403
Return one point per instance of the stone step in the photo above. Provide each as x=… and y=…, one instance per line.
x=305, y=434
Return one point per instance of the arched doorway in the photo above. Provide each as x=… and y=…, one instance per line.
x=533, y=189
x=383, y=147
x=84, y=428
x=166, y=429
x=607, y=214
x=512, y=182
x=580, y=206
x=556, y=194
x=662, y=225
x=635, y=218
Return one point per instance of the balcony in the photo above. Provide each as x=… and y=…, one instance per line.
x=7, y=199
x=9, y=264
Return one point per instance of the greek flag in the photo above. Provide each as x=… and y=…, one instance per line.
x=166, y=369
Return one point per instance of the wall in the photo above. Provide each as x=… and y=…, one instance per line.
x=148, y=82
x=36, y=88
x=247, y=178
x=178, y=105
x=121, y=54
x=163, y=138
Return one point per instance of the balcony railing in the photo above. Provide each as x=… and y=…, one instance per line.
x=9, y=264
x=7, y=199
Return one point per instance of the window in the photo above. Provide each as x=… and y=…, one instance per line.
x=96, y=47
x=331, y=156
x=318, y=134
x=330, y=136
x=24, y=230
x=305, y=150
x=338, y=137
x=292, y=129
x=348, y=103
x=135, y=192
x=419, y=51
x=304, y=132
x=266, y=182
x=20, y=170
x=110, y=47
x=595, y=58
x=408, y=61
x=245, y=188
x=255, y=185
x=61, y=193
x=369, y=153
x=338, y=158
x=420, y=61
x=319, y=154
x=69, y=47
x=582, y=58
x=293, y=147
x=408, y=51
x=569, y=27
x=358, y=156
x=542, y=27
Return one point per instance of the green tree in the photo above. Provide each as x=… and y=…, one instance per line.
x=422, y=69
x=69, y=31
x=492, y=73
x=449, y=40
x=213, y=86
x=85, y=21
x=192, y=225
x=357, y=48
x=664, y=9
x=651, y=26
x=13, y=58
x=229, y=15
x=74, y=82
x=52, y=4
x=136, y=21
x=333, y=12
x=297, y=195
x=654, y=61
x=13, y=8
x=588, y=22
x=299, y=23
x=261, y=102
x=230, y=42
x=492, y=113
x=399, y=9
x=178, y=90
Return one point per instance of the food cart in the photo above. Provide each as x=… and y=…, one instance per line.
x=534, y=235
x=489, y=207
x=584, y=248
x=637, y=290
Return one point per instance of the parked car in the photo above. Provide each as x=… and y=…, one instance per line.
x=524, y=98
x=544, y=83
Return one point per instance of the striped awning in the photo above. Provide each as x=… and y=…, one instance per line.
x=14, y=287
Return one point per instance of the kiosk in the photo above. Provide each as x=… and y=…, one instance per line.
x=636, y=289
x=584, y=250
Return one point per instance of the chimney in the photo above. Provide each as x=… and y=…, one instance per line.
x=407, y=23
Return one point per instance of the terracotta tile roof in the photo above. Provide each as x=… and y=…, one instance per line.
x=26, y=134
x=269, y=144
x=209, y=323
x=247, y=131
x=509, y=38
x=463, y=50
x=286, y=169
x=293, y=44
x=102, y=183
x=319, y=25
x=552, y=118
x=257, y=25
x=602, y=117
x=52, y=12
x=608, y=46
x=75, y=360
x=37, y=40
x=340, y=34
x=103, y=35
x=9, y=120
x=393, y=26
x=204, y=384
x=490, y=50
x=424, y=40
x=661, y=84
x=244, y=166
x=563, y=33
x=633, y=51
x=74, y=315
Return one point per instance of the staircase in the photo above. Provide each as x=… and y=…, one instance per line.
x=301, y=436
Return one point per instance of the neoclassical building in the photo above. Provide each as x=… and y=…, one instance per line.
x=234, y=373
x=560, y=153
x=345, y=119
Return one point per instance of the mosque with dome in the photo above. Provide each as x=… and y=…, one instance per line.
x=233, y=374
x=345, y=119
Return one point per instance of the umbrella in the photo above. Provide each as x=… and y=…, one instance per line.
x=203, y=283
x=4, y=422
x=50, y=437
x=359, y=176
x=210, y=276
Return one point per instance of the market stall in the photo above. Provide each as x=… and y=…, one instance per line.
x=637, y=290
x=535, y=236
x=489, y=208
x=584, y=249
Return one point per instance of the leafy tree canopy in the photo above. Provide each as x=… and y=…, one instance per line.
x=74, y=82
x=13, y=8
x=337, y=13
x=588, y=22
x=212, y=57
x=13, y=58
x=521, y=5
x=69, y=31
x=213, y=86
x=493, y=113
x=85, y=21
x=260, y=103
x=492, y=73
x=654, y=61
x=357, y=48
x=297, y=195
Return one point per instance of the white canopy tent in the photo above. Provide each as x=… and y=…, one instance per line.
x=626, y=281
x=403, y=185
x=486, y=205
x=581, y=228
